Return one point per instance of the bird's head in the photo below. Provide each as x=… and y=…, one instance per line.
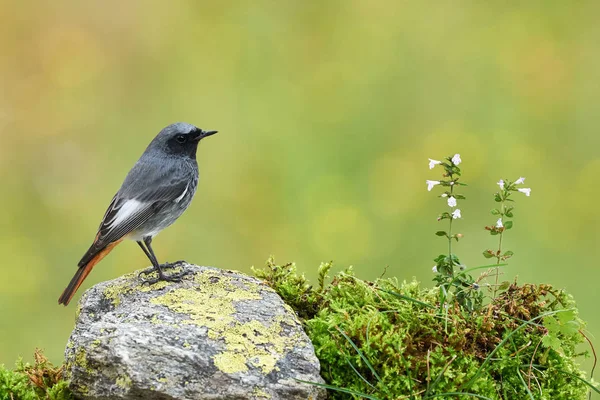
x=180, y=139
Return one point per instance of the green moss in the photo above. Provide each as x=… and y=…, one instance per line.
x=389, y=340
x=41, y=381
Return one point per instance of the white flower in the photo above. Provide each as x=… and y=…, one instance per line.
x=519, y=181
x=431, y=184
x=433, y=163
x=501, y=184
x=527, y=191
x=451, y=201
x=434, y=269
x=499, y=223
x=456, y=159
x=444, y=195
x=456, y=214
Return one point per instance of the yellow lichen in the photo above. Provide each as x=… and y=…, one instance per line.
x=266, y=362
x=230, y=362
x=124, y=382
x=157, y=286
x=212, y=305
x=82, y=362
x=260, y=394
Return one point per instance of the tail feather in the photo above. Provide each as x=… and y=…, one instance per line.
x=82, y=273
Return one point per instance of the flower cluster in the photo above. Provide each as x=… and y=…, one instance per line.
x=452, y=283
x=504, y=212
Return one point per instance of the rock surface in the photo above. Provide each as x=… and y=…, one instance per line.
x=215, y=335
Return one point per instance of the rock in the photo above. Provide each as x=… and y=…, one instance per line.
x=215, y=335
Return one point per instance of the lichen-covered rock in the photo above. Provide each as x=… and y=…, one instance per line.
x=215, y=335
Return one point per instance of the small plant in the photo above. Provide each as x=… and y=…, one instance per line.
x=503, y=213
x=451, y=283
x=40, y=381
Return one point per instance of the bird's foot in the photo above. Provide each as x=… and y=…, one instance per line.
x=173, y=277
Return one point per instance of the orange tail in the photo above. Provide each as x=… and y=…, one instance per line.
x=82, y=273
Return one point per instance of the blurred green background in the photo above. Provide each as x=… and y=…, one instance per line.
x=327, y=113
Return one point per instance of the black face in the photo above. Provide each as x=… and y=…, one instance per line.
x=186, y=143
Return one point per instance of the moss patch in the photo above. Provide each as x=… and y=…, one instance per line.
x=40, y=381
x=388, y=339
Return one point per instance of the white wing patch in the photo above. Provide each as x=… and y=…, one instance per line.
x=177, y=200
x=129, y=208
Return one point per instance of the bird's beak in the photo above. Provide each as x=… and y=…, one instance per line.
x=204, y=134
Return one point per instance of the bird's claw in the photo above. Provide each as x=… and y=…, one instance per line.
x=174, y=277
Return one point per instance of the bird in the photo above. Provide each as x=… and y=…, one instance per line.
x=154, y=194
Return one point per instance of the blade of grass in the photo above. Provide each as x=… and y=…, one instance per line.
x=337, y=389
x=466, y=271
x=407, y=298
x=477, y=396
x=589, y=384
x=360, y=353
x=525, y=384
x=440, y=375
x=358, y=373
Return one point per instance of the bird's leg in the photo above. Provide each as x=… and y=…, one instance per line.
x=159, y=268
x=155, y=266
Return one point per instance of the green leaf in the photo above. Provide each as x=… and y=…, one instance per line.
x=508, y=224
x=566, y=316
x=493, y=232
x=551, y=341
x=441, y=233
x=570, y=328
x=444, y=215
x=440, y=258
x=508, y=254
x=497, y=198
x=569, y=325
x=488, y=254
x=454, y=259
x=551, y=324
x=459, y=197
x=504, y=285
x=495, y=211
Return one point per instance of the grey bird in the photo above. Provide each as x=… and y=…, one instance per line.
x=157, y=190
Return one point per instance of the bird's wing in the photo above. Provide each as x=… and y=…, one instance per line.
x=126, y=213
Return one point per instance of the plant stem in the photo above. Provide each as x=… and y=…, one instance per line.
x=451, y=262
x=498, y=255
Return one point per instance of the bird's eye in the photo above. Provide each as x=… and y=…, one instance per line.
x=181, y=138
